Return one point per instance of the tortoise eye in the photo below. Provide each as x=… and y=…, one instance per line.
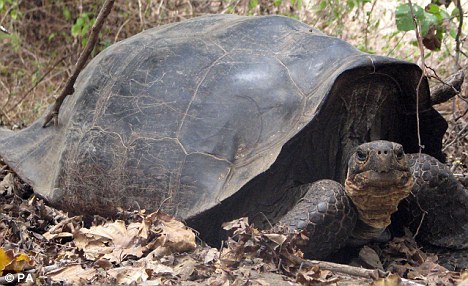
x=361, y=155
x=399, y=153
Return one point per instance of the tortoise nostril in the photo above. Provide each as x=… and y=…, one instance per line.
x=379, y=152
x=385, y=152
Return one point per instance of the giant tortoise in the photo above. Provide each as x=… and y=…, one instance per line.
x=226, y=116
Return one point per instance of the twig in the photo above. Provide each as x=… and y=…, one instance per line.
x=420, y=223
x=461, y=116
x=36, y=84
x=463, y=53
x=448, y=88
x=424, y=72
x=92, y=40
x=457, y=37
x=116, y=38
x=140, y=15
x=355, y=271
x=7, y=12
x=366, y=39
x=457, y=136
x=347, y=269
x=50, y=268
x=3, y=114
x=335, y=267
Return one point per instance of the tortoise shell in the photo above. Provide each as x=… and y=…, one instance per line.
x=185, y=116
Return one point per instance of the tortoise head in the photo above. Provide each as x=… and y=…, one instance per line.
x=378, y=178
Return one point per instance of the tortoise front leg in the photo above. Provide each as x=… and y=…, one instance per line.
x=326, y=214
x=438, y=204
x=436, y=210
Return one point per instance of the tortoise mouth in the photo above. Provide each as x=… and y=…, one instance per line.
x=383, y=180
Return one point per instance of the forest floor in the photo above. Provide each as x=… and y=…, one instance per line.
x=48, y=247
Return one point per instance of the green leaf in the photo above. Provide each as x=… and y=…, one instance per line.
x=35, y=77
x=321, y=6
x=277, y=3
x=84, y=31
x=79, y=22
x=351, y=4
x=433, y=9
x=403, y=18
x=444, y=14
x=106, y=43
x=455, y=12
x=14, y=14
x=66, y=14
x=75, y=30
x=428, y=21
x=253, y=4
x=453, y=32
x=51, y=36
x=418, y=12
x=299, y=4
x=440, y=34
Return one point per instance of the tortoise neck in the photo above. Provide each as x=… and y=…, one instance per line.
x=366, y=232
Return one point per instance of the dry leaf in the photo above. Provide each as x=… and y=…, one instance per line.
x=236, y=225
x=72, y=274
x=11, y=263
x=276, y=238
x=176, y=236
x=127, y=275
x=315, y=276
x=113, y=241
x=5, y=259
x=185, y=268
x=464, y=278
x=370, y=257
x=7, y=185
x=390, y=280
x=211, y=255
x=50, y=236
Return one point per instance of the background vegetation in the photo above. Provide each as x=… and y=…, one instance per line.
x=46, y=36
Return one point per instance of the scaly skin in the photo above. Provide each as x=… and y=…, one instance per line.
x=326, y=213
x=381, y=180
x=379, y=177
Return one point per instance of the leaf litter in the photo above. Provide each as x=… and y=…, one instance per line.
x=156, y=249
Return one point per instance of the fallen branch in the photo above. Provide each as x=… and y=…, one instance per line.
x=47, y=270
x=355, y=271
x=337, y=268
x=346, y=269
x=448, y=88
x=92, y=40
